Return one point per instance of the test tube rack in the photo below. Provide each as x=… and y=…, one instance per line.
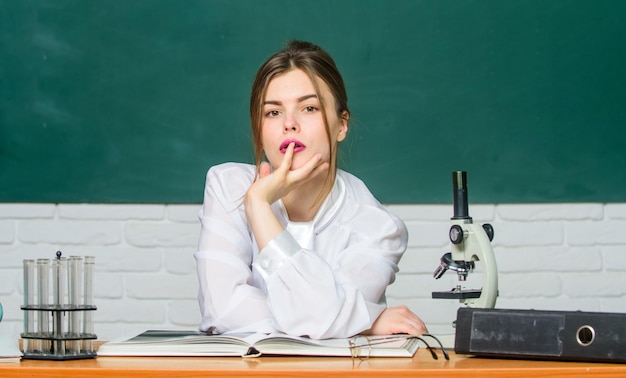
x=63, y=329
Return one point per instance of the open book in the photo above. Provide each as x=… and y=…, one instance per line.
x=191, y=343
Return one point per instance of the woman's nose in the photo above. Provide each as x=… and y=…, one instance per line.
x=291, y=124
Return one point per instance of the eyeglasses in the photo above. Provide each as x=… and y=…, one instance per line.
x=357, y=345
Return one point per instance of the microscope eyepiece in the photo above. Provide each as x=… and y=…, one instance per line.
x=459, y=193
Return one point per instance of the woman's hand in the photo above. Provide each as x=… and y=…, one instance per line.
x=397, y=320
x=270, y=187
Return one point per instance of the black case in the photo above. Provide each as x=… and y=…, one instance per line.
x=540, y=334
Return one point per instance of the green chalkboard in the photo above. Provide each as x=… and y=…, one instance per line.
x=119, y=101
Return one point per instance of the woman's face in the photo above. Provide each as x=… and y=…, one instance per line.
x=292, y=113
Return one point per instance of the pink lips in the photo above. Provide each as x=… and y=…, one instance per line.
x=299, y=146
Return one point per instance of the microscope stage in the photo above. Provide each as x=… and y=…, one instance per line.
x=456, y=294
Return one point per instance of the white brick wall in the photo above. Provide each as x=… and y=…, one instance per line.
x=552, y=256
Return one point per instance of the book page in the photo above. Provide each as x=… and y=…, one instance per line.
x=362, y=346
x=177, y=343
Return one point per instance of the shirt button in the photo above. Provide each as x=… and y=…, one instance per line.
x=265, y=264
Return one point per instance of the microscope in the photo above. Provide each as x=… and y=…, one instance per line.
x=469, y=243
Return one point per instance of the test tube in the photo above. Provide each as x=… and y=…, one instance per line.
x=29, y=300
x=76, y=264
x=43, y=275
x=59, y=279
x=89, y=266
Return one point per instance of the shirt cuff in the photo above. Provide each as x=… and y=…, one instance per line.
x=275, y=254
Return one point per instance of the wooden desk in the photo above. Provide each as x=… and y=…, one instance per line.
x=422, y=365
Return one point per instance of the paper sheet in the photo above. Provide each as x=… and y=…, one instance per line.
x=9, y=351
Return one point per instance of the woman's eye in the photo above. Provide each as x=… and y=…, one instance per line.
x=310, y=109
x=272, y=113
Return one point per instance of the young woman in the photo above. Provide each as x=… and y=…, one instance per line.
x=294, y=244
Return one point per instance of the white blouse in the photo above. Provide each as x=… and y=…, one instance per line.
x=325, y=278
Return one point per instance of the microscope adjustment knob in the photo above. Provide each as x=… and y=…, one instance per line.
x=488, y=230
x=456, y=234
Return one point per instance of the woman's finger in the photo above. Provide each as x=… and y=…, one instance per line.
x=310, y=169
x=288, y=158
x=264, y=169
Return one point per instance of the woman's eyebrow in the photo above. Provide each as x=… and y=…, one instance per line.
x=306, y=97
x=300, y=99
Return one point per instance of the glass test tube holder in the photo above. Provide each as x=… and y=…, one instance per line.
x=66, y=340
